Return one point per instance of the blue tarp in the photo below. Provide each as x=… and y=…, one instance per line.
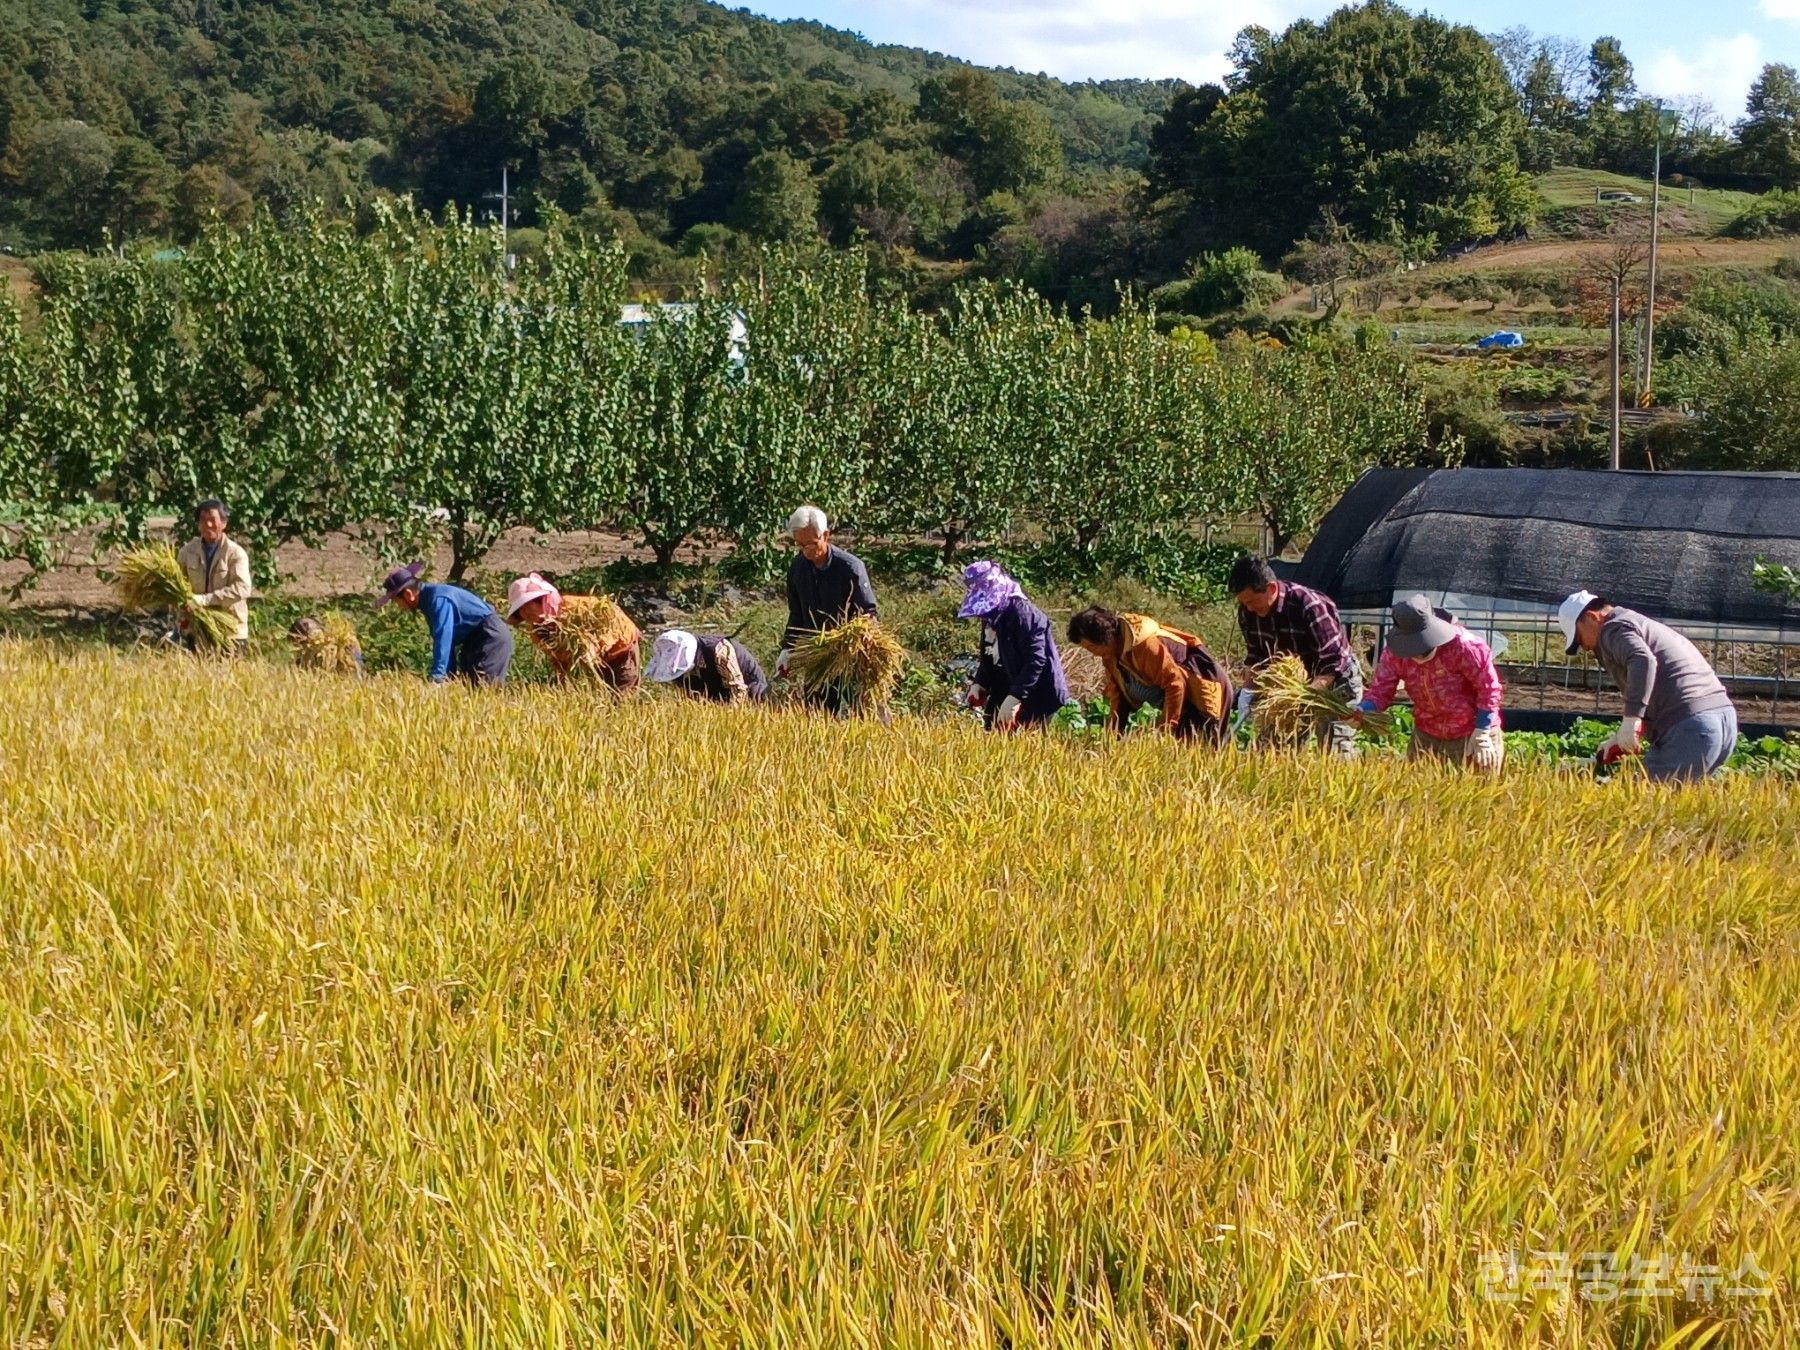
x=1502, y=339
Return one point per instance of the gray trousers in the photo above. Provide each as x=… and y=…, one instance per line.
x=1338, y=739
x=1694, y=748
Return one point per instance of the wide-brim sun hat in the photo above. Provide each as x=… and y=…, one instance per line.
x=524, y=590
x=398, y=580
x=1418, y=629
x=672, y=656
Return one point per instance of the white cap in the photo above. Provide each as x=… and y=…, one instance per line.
x=672, y=656
x=1569, y=614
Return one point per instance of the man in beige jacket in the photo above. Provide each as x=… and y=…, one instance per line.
x=218, y=569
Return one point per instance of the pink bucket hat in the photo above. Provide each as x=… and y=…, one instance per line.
x=531, y=587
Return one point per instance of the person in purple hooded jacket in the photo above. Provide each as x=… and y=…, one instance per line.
x=1020, y=678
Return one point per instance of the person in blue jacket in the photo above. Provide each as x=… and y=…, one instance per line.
x=1020, y=678
x=468, y=639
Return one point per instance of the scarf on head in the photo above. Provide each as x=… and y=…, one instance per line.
x=989, y=589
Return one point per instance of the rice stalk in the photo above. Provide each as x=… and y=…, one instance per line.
x=585, y=631
x=333, y=648
x=152, y=578
x=859, y=659
x=348, y=1012
x=1288, y=709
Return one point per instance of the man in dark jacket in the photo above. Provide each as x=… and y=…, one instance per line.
x=719, y=669
x=1020, y=677
x=826, y=587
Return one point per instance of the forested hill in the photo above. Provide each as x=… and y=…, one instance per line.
x=142, y=116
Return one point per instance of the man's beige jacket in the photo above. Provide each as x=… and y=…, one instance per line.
x=224, y=585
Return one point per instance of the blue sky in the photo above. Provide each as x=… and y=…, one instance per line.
x=1679, y=48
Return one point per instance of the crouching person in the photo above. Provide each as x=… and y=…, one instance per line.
x=1148, y=664
x=1449, y=674
x=581, y=636
x=1672, y=695
x=1020, y=679
x=717, y=669
x=468, y=640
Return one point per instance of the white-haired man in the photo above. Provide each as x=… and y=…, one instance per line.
x=826, y=586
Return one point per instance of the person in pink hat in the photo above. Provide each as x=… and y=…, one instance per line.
x=537, y=606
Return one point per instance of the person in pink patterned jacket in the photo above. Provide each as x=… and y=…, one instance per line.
x=1449, y=674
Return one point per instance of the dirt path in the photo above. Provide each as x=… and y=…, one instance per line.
x=1578, y=252
x=340, y=567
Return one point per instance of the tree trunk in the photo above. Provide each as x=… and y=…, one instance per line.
x=664, y=549
x=1279, y=537
x=460, y=550
x=953, y=538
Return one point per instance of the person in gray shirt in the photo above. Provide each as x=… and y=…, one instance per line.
x=1672, y=696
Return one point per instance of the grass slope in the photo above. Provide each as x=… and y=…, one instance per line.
x=393, y=1016
x=1704, y=211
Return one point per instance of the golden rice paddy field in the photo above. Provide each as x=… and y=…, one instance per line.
x=359, y=1014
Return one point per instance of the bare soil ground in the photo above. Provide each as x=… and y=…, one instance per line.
x=341, y=566
x=1580, y=252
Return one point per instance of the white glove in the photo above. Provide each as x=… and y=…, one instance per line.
x=1006, y=716
x=1625, y=740
x=782, y=659
x=1244, y=699
x=1487, y=751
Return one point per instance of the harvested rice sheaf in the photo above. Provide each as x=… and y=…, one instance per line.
x=1288, y=709
x=152, y=578
x=332, y=648
x=584, y=634
x=860, y=658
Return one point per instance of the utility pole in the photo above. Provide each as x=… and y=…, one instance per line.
x=1644, y=395
x=504, y=197
x=1615, y=370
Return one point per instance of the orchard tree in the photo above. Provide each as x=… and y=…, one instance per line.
x=111, y=396
x=36, y=507
x=815, y=371
x=679, y=423
x=1301, y=424
x=478, y=364
x=296, y=418
x=1120, y=458
x=956, y=437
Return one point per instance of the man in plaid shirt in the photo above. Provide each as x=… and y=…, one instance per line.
x=1279, y=616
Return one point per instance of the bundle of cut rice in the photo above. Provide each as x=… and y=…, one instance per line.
x=329, y=645
x=1288, y=709
x=860, y=659
x=583, y=633
x=1085, y=672
x=152, y=578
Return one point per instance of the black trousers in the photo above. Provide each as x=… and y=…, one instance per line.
x=485, y=654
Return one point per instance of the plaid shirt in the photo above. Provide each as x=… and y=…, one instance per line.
x=1447, y=691
x=1302, y=622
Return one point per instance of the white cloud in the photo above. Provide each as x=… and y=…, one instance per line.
x=1721, y=69
x=1079, y=39
x=1782, y=9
